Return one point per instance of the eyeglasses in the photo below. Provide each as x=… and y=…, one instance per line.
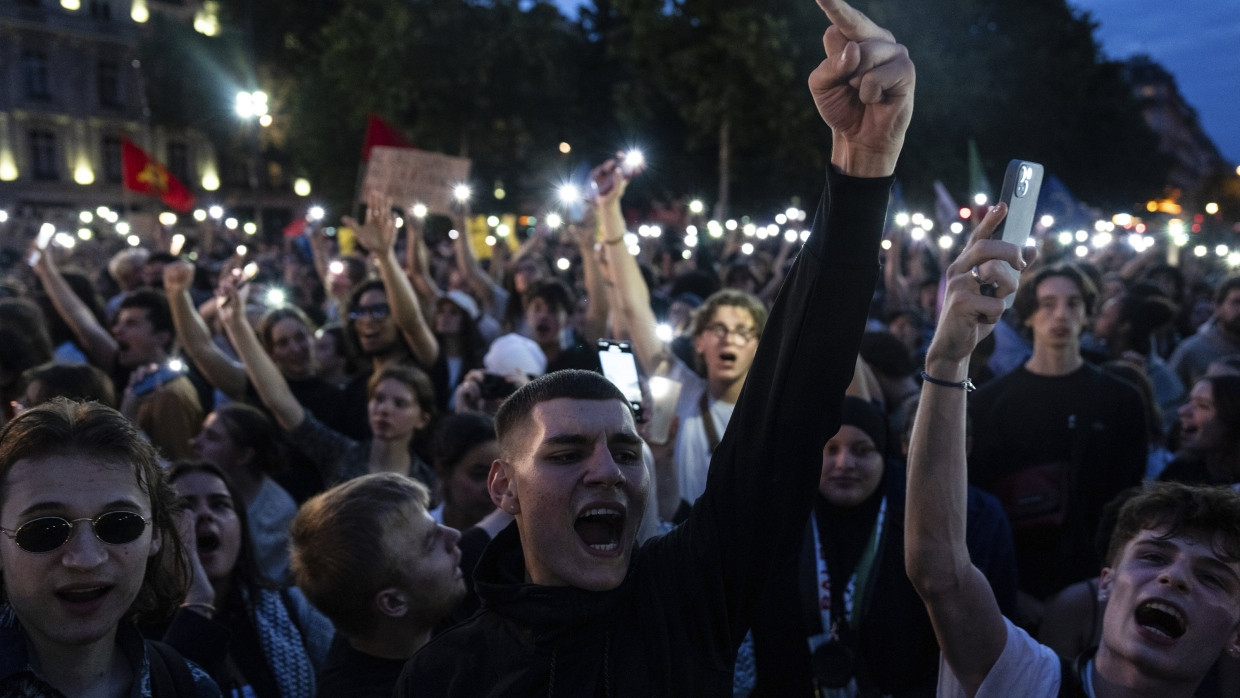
x=721, y=331
x=46, y=533
x=378, y=311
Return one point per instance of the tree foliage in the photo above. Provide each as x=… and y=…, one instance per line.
x=505, y=81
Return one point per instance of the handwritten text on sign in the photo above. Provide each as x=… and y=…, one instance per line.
x=411, y=176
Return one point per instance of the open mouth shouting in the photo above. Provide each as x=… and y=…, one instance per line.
x=208, y=543
x=1162, y=619
x=83, y=598
x=601, y=528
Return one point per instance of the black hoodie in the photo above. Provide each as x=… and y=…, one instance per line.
x=673, y=626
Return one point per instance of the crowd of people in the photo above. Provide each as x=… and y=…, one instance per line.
x=410, y=477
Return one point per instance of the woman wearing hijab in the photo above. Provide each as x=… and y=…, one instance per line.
x=842, y=618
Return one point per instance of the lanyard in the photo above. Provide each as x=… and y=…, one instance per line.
x=864, y=567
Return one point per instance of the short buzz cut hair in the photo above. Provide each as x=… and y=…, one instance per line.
x=337, y=552
x=571, y=383
x=1210, y=514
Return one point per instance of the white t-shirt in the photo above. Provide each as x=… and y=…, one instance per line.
x=1026, y=668
x=692, y=445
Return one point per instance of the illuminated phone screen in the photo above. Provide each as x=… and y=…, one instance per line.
x=621, y=368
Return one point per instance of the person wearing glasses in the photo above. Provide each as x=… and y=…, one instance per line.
x=593, y=612
x=401, y=402
x=88, y=546
x=726, y=329
x=384, y=319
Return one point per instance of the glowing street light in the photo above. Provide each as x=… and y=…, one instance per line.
x=252, y=104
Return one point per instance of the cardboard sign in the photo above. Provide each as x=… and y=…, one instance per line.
x=410, y=176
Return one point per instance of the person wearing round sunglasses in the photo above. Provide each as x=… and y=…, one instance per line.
x=88, y=544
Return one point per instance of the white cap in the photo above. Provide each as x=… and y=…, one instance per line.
x=463, y=301
x=512, y=353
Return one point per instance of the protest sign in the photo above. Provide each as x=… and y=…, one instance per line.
x=410, y=176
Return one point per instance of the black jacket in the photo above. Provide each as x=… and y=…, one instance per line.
x=673, y=626
x=892, y=639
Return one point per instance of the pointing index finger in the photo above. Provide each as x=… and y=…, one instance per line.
x=851, y=21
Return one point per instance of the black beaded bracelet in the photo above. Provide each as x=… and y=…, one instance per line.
x=966, y=384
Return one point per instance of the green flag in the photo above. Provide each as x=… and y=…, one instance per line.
x=978, y=184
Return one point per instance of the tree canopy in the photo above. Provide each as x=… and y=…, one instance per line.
x=707, y=86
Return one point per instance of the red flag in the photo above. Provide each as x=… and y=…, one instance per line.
x=295, y=229
x=146, y=175
x=379, y=132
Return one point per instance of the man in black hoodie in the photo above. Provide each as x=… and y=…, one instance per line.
x=571, y=605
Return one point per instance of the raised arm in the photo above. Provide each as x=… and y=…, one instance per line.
x=484, y=286
x=195, y=338
x=320, y=251
x=962, y=607
x=417, y=260
x=631, y=294
x=596, y=292
x=270, y=384
x=95, y=339
x=379, y=236
x=764, y=473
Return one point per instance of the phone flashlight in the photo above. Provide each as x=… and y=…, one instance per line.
x=178, y=241
x=633, y=161
x=461, y=192
x=569, y=193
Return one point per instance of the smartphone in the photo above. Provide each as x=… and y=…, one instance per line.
x=495, y=387
x=664, y=396
x=1021, y=186
x=41, y=242
x=620, y=367
x=166, y=372
x=633, y=162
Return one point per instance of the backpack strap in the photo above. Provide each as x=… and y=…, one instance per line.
x=170, y=675
x=1072, y=675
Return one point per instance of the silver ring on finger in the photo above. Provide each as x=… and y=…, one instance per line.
x=984, y=287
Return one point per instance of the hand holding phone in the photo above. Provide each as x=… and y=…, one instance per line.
x=1021, y=186
x=166, y=372
x=620, y=367
x=40, y=243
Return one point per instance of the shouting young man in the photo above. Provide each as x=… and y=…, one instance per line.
x=1172, y=575
x=571, y=605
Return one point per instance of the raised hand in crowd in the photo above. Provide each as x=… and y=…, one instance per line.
x=196, y=338
x=863, y=91
x=378, y=235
